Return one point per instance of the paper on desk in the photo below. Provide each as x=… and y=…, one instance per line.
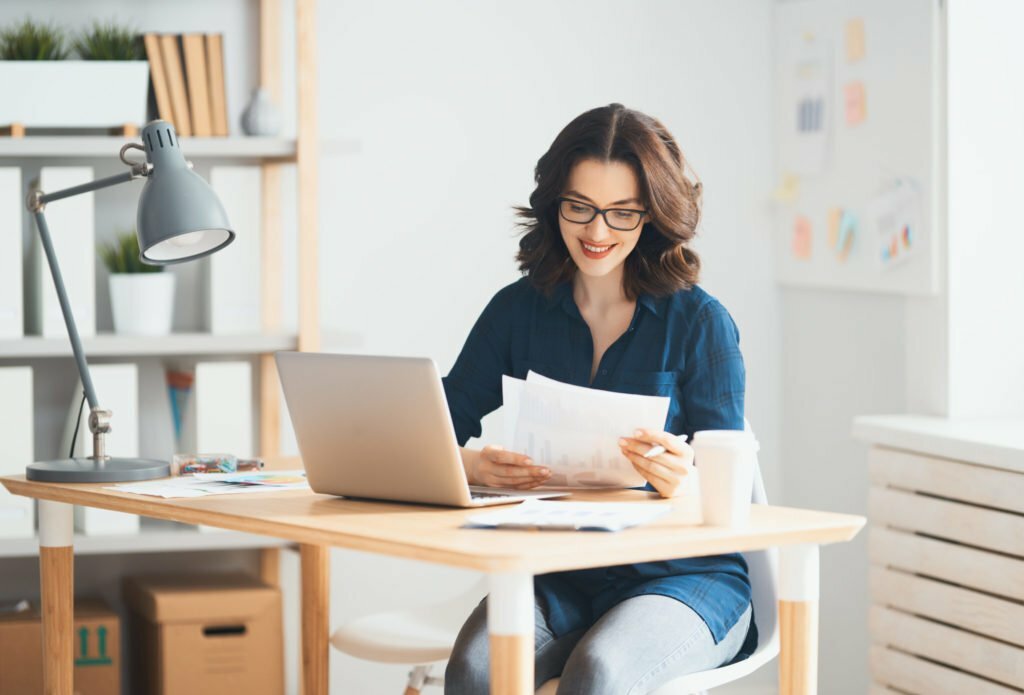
x=571, y=516
x=217, y=484
x=574, y=430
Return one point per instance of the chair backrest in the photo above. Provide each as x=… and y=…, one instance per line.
x=763, y=566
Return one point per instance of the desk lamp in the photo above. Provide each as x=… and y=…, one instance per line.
x=179, y=219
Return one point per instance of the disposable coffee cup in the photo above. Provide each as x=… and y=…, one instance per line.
x=725, y=461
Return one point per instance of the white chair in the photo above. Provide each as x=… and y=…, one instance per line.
x=425, y=635
x=422, y=636
x=764, y=583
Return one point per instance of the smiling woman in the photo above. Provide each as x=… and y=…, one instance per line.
x=609, y=300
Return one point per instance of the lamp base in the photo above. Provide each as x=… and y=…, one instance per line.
x=89, y=470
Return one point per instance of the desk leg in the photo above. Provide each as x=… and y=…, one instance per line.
x=57, y=592
x=316, y=604
x=510, y=624
x=798, y=620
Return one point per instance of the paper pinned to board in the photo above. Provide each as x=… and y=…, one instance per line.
x=574, y=430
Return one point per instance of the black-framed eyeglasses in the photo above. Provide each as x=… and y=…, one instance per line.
x=621, y=219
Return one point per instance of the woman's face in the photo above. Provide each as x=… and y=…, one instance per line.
x=597, y=248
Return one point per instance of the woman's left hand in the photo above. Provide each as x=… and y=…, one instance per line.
x=664, y=471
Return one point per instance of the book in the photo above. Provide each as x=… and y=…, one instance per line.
x=175, y=73
x=234, y=304
x=218, y=417
x=160, y=92
x=193, y=49
x=215, y=79
x=117, y=388
x=17, y=518
x=12, y=321
x=72, y=229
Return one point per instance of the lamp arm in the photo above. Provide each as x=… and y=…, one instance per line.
x=99, y=420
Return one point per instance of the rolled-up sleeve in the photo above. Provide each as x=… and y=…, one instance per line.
x=473, y=386
x=714, y=377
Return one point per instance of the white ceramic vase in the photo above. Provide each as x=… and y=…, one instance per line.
x=261, y=117
x=142, y=303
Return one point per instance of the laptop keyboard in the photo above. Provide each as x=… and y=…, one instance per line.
x=487, y=495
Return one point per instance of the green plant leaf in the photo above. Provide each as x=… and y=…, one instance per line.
x=29, y=40
x=109, y=41
x=123, y=256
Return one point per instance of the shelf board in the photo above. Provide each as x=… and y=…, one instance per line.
x=81, y=146
x=110, y=345
x=148, y=540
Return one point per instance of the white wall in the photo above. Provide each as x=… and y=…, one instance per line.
x=453, y=103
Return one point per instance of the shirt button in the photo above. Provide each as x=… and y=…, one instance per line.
x=630, y=329
x=604, y=372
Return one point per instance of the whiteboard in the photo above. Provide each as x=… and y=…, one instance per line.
x=859, y=168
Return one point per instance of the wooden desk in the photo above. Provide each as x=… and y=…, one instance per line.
x=511, y=558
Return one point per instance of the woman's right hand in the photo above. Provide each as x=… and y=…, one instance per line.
x=496, y=467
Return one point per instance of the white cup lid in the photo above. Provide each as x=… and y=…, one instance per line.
x=725, y=438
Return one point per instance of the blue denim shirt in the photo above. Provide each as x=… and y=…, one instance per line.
x=685, y=346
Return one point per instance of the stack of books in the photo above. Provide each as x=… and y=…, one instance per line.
x=187, y=82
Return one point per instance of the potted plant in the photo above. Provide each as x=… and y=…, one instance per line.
x=141, y=296
x=106, y=87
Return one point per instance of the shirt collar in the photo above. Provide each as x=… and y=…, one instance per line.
x=562, y=296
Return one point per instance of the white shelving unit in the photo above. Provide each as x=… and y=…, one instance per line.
x=151, y=539
x=270, y=154
x=111, y=345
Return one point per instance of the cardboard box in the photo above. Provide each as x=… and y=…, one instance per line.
x=205, y=635
x=97, y=650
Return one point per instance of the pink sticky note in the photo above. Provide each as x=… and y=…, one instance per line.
x=802, y=238
x=856, y=102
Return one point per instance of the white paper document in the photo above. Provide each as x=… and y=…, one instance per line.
x=574, y=430
x=202, y=485
x=571, y=516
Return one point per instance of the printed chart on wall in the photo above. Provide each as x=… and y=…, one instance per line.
x=856, y=121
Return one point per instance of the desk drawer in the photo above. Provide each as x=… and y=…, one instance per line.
x=946, y=553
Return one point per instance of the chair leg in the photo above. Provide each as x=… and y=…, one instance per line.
x=417, y=679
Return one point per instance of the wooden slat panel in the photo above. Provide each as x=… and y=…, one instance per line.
x=954, y=605
x=968, y=652
x=879, y=689
x=913, y=675
x=990, y=487
x=978, y=526
x=996, y=574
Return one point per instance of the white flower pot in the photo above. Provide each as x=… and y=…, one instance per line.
x=73, y=93
x=142, y=303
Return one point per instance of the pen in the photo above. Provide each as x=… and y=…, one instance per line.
x=658, y=449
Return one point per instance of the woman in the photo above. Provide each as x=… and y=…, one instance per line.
x=609, y=300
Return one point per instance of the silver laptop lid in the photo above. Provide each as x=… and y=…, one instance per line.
x=376, y=427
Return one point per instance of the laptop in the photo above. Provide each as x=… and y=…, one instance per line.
x=379, y=428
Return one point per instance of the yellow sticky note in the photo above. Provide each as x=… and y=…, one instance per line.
x=801, y=238
x=855, y=48
x=856, y=102
x=789, y=190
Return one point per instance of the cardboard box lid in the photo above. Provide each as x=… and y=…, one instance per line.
x=199, y=597
x=85, y=609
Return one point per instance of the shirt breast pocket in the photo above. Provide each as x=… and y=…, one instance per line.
x=645, y=383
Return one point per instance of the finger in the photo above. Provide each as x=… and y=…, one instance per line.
x=661, y=484
x=637, y=446
x=659, y=466
x=666, y=439
x=500, y=455
x=674, y=463
x=518, y=472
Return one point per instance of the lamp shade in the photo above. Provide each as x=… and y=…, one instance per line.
x=180, y=218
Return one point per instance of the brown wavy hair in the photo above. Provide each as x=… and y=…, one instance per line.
x=662, y=261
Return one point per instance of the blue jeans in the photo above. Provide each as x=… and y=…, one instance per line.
x=635, y=647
